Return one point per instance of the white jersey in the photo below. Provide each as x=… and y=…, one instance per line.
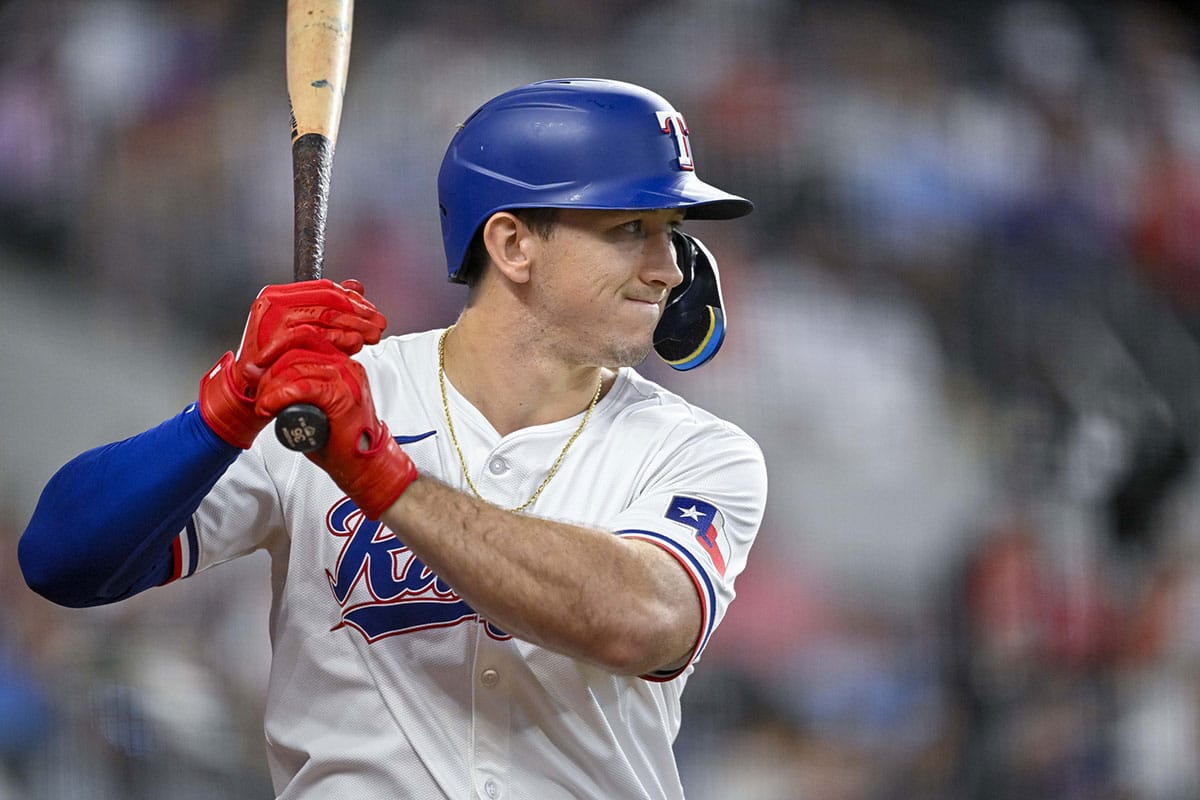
x=385, y=684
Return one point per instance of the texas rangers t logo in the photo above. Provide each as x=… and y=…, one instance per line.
x=705, y=520
x=671, y=123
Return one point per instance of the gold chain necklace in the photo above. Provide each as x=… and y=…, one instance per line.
x=454, y=438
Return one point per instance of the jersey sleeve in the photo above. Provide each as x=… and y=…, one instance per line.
x=703, y=505
x=241, y=514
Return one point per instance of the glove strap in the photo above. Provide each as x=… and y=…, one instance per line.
x=225, y=408
x=379, y=484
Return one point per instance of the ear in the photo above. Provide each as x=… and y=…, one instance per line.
x=510, y=245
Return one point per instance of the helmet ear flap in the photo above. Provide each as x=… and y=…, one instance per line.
x=692, y=327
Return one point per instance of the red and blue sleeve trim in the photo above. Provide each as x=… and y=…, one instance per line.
x=185, y=553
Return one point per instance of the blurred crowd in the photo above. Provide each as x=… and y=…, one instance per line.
x=964, y=326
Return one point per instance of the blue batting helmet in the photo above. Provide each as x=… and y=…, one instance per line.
x=574, y=143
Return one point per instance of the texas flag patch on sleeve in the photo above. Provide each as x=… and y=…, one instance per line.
x=706, y=521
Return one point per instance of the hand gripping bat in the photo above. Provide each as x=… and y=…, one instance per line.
x=318, y=55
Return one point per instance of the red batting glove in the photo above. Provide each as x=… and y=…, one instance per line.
x=316, y=314
x=361, y=456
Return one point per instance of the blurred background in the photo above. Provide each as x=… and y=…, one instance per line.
x=965, y=328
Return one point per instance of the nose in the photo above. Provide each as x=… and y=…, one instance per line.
x=660, y=266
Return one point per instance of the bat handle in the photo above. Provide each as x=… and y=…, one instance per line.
x=303, y=427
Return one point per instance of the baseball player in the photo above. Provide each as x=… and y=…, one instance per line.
x=496, y=577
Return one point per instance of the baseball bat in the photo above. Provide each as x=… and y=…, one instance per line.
x=318, y=57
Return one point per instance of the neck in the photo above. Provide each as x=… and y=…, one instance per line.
x=512, y=381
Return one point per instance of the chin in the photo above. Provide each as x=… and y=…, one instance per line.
x=628, y=356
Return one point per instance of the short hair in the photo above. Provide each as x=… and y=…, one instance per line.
x=539, y=220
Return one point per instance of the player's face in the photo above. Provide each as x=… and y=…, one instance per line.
x=604, y=280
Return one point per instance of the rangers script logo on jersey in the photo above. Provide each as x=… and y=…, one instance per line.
x=396, y=592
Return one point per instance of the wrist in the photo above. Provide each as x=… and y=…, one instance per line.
x=385, y=474
x=226, y=409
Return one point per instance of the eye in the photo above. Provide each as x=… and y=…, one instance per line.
x=641, y=226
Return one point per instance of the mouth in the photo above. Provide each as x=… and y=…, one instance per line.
x=649, y=308
x=656, y=301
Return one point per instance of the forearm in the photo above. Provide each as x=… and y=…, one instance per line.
x=104, y=526
x=620, y=603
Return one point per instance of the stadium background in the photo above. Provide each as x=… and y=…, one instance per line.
x=964, y=327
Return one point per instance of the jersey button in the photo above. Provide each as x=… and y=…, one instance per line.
x=489, y=678
x=497, y=466
x=491, y=788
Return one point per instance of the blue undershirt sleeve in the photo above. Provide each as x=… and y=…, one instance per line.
x=105, y=524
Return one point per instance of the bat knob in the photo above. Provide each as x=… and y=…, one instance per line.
x=302, y=427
